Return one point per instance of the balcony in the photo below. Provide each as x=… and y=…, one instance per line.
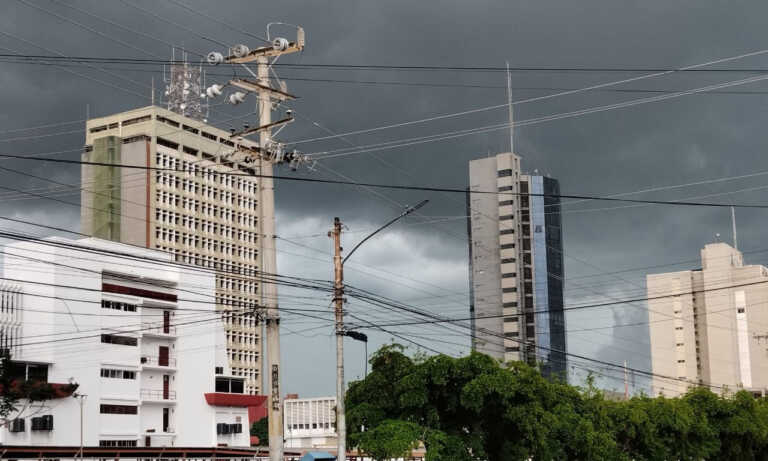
x=158, y=330
x=158, y=362
x=157, y=395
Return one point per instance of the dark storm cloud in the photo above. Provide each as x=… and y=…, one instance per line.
x=678, y=141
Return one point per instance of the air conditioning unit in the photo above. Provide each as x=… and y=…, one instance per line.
x=144, y=359
x=17, y=425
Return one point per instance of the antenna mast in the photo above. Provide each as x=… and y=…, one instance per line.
x=511, y=112
x=733, y=225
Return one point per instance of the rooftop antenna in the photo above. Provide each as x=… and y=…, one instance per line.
x=733, y=225
x=511, y=111
x=152, y=96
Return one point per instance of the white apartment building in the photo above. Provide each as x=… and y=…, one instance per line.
x=137, y=332
x=202, y=218
x=709, y=326
x=516, y=264
x=310, y=423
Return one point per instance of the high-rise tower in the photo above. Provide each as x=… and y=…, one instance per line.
x=207, y=219
x=516, y=264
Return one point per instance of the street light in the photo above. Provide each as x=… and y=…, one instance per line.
x=81, y=397
x=338, y=298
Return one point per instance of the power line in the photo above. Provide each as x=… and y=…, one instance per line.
x=398, y=187
x=374, y=67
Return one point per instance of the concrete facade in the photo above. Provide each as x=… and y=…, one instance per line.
x=200, y=217
x=707, y=326
x=516, y=264
x=310, y=423
x=136, y=332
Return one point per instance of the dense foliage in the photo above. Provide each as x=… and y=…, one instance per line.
x=473, y=408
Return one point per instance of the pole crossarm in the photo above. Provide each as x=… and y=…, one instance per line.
x=278, y=48
x=256, y=87
x=256, y=129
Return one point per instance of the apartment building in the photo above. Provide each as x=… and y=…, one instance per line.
x=310, y=423
x=516, y=264
x=135, y=331
x=709, y=326
x=202, y=218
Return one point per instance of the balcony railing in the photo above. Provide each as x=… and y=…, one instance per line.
x=157, y=394
x=158, y=329
x=156, y=361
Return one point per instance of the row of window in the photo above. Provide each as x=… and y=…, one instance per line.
x=190, y=257
x=39, y=423
x=117, y=443
x=106, y=409
x=120, y=340
x=242, y=285
x=248, y=358
x=313, y=426
x=128, y=307
x=117, y=374
x=170, y=199
x=195, y=223
x=224, y=428
x=189, y=186
x=128, y=122
x=194, y=169
x=163, y=234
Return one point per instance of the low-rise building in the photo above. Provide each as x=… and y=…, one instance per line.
x=140, y=335
x=310, y=423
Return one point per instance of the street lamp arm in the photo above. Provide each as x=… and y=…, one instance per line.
x=405, y=213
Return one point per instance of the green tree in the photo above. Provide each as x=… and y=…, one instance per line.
x=260, y=429
x=390, y=439
x=472, y=408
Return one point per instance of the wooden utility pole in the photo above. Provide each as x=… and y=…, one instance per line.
x=338, y=298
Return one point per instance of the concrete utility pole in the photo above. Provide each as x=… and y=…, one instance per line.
x=338, y=298
x=269, y=266
x=268, y=153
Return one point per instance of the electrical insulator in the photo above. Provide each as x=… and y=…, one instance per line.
x=213, y=91
x=215, y=58
x=280, y=44
x=237, y=97
x=240, y=51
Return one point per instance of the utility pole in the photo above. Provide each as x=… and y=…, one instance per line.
x=626, y=382
x=269, y=266
x=266, y=155
x=338, y=298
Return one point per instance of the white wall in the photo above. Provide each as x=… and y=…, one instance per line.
x=198, y=347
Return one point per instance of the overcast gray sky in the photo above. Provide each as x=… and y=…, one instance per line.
x=424, y=259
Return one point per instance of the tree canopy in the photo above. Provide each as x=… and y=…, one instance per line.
x=473, y=408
